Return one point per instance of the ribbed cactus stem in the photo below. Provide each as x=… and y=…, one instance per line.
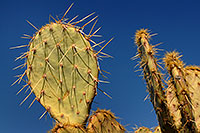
x=153, y=79
x=176, y=70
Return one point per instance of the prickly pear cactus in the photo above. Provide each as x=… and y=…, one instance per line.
x=62, y=71
x=103, y=121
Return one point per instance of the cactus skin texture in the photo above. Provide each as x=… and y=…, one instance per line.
x=103, y=121
x=179, y=102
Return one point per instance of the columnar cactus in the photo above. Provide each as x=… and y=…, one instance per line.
x=178, y=104
x=153, y=79
x=62, y=71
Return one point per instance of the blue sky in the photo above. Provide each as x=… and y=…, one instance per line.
x=176, y=22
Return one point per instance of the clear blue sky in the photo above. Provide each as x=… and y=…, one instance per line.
x=177, y=23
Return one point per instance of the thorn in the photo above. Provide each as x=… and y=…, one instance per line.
x=135, y=57
x=32, y=25
x=42, y=115
x=157, y=44
x=94, y=32
x=21, y=46
x=19, y=79
x=88, y=22
x=104, y=46
x=104, y=93
x=72, y=19
x=32, y=103
x=21, y=89
x=97, y=44
x=103, y=81
x=83, y=18
x=26, y=98
x=106, y=55
x=92, y=27
x=30, y=92
x=146, y=97
x=105, y=71
x=50, y=16
x=22, y=65
x=67, y=11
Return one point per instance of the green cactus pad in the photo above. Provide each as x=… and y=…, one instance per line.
x=62, y=71
x=103, y=121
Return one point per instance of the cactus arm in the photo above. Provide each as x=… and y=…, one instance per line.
x=153, y=80
x=177, y=72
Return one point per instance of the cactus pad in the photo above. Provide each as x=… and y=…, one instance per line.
x=62, y=71
x=103, y=121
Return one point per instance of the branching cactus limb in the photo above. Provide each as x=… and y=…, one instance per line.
x=177, y=71
x=103, y=121
x=153, y=79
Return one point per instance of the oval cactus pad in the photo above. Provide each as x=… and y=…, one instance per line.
x=62, y=71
